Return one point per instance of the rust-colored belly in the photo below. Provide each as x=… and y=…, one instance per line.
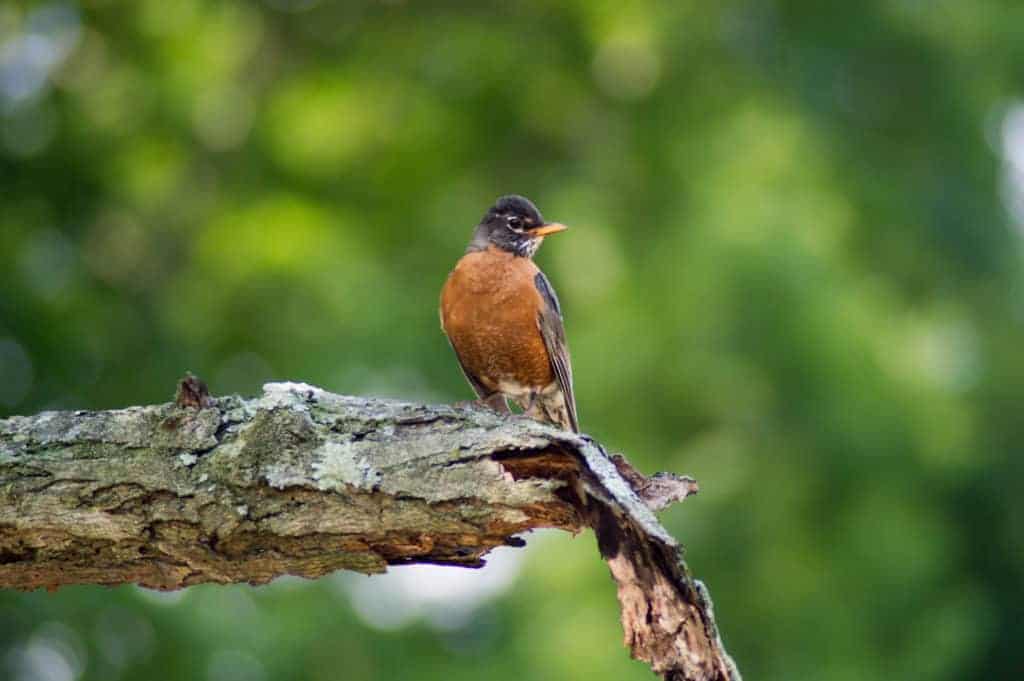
x=489, y=308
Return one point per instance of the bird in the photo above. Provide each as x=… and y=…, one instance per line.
x=503, y=319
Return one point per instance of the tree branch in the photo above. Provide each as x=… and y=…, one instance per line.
x=305, y=482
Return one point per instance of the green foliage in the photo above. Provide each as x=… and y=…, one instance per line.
x=793, y=272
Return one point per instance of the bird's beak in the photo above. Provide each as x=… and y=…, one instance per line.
x=549, y=228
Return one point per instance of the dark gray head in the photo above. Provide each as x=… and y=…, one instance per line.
x=515, y=225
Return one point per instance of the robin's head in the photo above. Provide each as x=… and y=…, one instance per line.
x=513, y=224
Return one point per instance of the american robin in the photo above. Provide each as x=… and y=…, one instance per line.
x=503, y=319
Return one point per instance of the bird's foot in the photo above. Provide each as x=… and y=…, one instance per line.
x=494, y=403
x=497, y=402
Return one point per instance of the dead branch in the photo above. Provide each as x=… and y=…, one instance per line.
x=304, y=482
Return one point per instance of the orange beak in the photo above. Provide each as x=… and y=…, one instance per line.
x=549, y=228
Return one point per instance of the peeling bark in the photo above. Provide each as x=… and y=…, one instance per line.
x=305, y=482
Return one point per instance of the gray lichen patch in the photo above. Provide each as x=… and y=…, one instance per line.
x=337, y=464
x=289, y=395
x=280, y=476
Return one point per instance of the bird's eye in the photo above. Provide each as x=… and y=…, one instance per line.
x=515, y=224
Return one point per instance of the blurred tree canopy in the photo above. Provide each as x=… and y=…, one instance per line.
x=793, y=272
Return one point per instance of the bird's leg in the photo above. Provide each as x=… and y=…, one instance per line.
x=497, y=402
x=533, y=407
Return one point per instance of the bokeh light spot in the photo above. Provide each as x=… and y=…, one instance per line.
x=149, y=171
x=278, y=233
x=235, y=665
x=53, y=653
x=15, y=372
x=119, y=250
x=124, y=637
x=28, y=56
x=626, y=68
x=445, y=597
x=47, y=262
x=222, y=117
x=1013, y=152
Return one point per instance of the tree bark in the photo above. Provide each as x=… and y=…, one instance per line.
x=304, y=482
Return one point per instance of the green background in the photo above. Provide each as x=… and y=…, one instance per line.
x=793, y=271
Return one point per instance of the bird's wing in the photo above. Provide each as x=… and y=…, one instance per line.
x=553, y=331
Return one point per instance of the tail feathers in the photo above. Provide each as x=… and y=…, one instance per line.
x=552, y=408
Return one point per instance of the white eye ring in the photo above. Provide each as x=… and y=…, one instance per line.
x=515, y=224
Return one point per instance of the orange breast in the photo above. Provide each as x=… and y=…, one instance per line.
x=489, y=309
